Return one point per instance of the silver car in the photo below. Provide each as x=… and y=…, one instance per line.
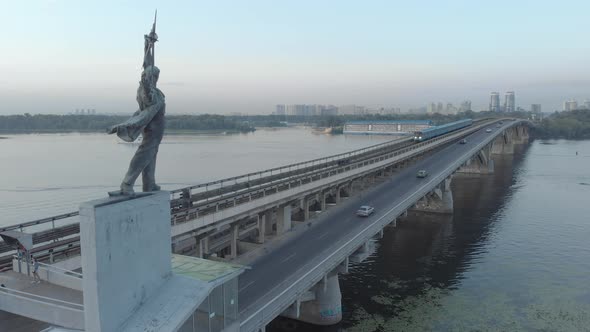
x=365, y=211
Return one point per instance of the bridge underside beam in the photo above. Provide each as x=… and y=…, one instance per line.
x=440, y=200
x=480, y=163
x=504, y=143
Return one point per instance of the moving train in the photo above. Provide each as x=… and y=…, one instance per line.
x=426, y=134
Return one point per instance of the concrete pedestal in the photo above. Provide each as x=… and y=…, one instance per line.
x=125, y=243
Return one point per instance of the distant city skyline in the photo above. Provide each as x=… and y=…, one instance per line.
x=249, y=56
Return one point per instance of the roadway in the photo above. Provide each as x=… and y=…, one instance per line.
x=259, y=284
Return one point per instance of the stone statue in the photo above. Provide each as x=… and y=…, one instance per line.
x=147, y=121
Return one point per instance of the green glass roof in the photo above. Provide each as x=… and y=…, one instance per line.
x=204, y=269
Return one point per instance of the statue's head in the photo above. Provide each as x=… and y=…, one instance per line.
x=150, y=75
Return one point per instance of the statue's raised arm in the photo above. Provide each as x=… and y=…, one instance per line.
x=149, y=48
x=147, y=121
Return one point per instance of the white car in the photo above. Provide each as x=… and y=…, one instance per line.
x=488, y=130
x=365, y=211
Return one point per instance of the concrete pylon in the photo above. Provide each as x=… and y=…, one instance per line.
x=440, y=200
x=266, y=216
x=261, y=223
x=326, y=308
x=283, y=218
x=235, y=231
x=323, y=197
x=305, y=206
x=480, y=163
x=503, y=144
x=204, y=247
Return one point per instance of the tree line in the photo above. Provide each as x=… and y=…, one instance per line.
x=570, y=125
x=95, y=123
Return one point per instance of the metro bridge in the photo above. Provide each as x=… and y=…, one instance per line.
x=298, y=278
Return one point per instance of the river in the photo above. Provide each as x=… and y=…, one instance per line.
x=515, y=255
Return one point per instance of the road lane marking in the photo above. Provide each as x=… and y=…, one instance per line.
x=288, y=258
x=248, y=285
x=323, y=235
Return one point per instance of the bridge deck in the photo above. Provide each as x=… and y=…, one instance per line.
x=292, y=262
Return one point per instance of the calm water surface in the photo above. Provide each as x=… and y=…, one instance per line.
x=43, y=175
x=515, y=256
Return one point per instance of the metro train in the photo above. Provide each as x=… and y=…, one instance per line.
x=426, y=134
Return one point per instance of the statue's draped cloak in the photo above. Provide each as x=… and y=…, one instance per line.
x=134, y=126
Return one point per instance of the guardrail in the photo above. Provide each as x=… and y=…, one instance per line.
x=296, y=285
x=62, y=313
x=42, y=299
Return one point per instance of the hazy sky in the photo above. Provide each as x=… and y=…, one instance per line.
x=247, y=56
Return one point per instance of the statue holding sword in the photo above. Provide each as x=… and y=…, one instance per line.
x=148, y=121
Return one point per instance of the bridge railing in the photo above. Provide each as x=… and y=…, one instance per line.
x=285, y=293
x=39, y=307
x=203, y=208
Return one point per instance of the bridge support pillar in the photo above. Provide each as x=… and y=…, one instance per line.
x=440, y=200
x=504, y=144
x=305, y=206
x=480, y=163
x=283, y=218
x=261, y=228
x=337, y=196
x=235, y=230
x=326, y=306
x=266, y=218
x=323, y=197
x=204, y=247
x=521, y=135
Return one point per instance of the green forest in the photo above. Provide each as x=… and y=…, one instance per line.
x=571, y=125
x=96, y=123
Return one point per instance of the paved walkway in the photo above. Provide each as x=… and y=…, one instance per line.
x=21, y=282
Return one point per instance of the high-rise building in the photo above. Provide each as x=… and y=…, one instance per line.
x=536, y=108
x=450, y=109
x=509, y=102
x=587, y=104
x=570, y=105
x=329, y=110
x=439, y=107
x=280, y=109
x=465, y=106
x=431, y=108
x=495, y=102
